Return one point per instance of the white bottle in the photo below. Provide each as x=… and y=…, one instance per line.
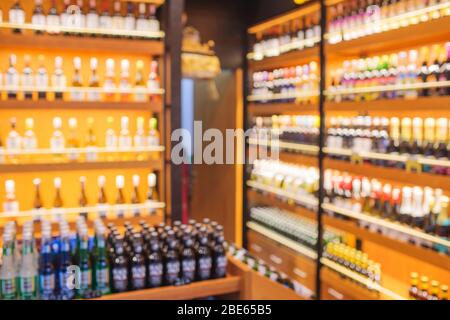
x=79, y=20
x=38, y=18
x=129, y=22
x=57, y=141
x=72, y=140
x=10, y=204
x=12, y=77
x=93, y=81
x=41, y=79
x=105, y=20
x=27, y=78
x=125, y=140
x=151, y=183
x=59, y=81
x=8, y=267
x=16, y=14
x=118, y=21
x=57, y=214
x=77, y=81
x=29, y=138
x=53, y=21
x=111, y=137
x=153, y=23
x=141, y=21
x=124, y=84
x=64, y=17
x=139, y=137
x=109, y=86
x=153, y=78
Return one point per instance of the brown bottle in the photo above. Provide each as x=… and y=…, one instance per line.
x=102, y=198
x=37, y=202
x=120, y=200
x=135, y=197
x=57, y=202
x=83, y=202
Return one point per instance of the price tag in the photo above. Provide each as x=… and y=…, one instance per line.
x=412, y=165
x=356, y=158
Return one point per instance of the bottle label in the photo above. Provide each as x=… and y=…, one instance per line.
x=38, y=19
x=93, y=95
x=91, y=154
x=138, y=277
x=153, y=141
x=47, y=283
x=29, y=143
x=17, y=16
x=13, y=143
x=173, y=270
x=27, y=287
x=8, y=289
x=53, y=20
x=11, y=206
x=120, y=279
x=41, y=80
x=188, y=267
x=155, y=272
x=86, y=279
x=66, y=278
x=204, y=268
x=142, y=25
x=129, y=23
x=103, y=210
x=140, y=94
x=92, y=20
x=139, y=141
x=124, y=141
x=102, y=279
x=105, y=22
x=117, y=23
x=57, y=144
x=111, y=141
x=153, y=25
x=221, y=266
x=152, y=85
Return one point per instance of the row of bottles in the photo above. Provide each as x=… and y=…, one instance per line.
x=301, y=230
x=60, y=141
x=358, y=18
x=423, y=291
x=412, y=137
x=354, y=260
x=77, y=265
x=298, y=34
x=40, y=85
x=300, y=181
x=100, y=15
x=429, y=64
x=292, y=84
x=268, y=271
x=103, y=201
x=286, y=128
x=425, y=209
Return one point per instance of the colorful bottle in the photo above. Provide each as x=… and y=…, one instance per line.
x=37, y=202
x=77, y=81
x=101, y=282
x=27, y=273
x=118, y=20
x=153, y=23
x=84, y=263
x=57, y=213
x=109, y=86
x=83, y=201
x=47, y=272
x=152, y=194
x=13, y=141
x=8, y=289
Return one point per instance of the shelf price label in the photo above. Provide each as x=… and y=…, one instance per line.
x=412, y=165
x=355, y=158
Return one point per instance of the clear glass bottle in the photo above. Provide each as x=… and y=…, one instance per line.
x=13, y=142
x=41, y=80
x=27, y=79
x=91, y=141
x=77, y=81
x=12, y=78
x=59, y=81
x=109, y=86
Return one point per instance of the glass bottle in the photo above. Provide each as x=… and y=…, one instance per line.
x=41, y=80
x=130, y=18
x=155, y=262
x=37, y=201
x=64, y=261
x=52, y=19
x=414, y=289
x=72, y=140
x=119, y=267
x=77, y=81
x=101, y=283
x=141, y=21
x=153, y=139
x=57, y=201
x=92, y=17
x=152, y=194
x=109, y=86
x=120, y=200
x=102, y=200
x=153, y=83
x=138, y=267
x=124, y=84
x=172, y=265
x=12, y=78
x=139, y=85
x=94, y=85
x=29, y=141
x=204, y=257
x=91, y=141
x=10, y=204
x=16, y=15
x=187, y=256
x=83, y=201
x=219, y=258
x=105, y=19
x=153, y=23
x=59, y=79
x=118, y=20
x=27, y=79
x=110, y=139
x=13, y=142
x=8, y=284
x=423, y=291
x=47, y=274
x=27, y=273
x=57, y=141
x=83, y=261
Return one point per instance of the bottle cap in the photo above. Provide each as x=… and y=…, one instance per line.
x=151, y=180
x=83, y=179
x=101, y=180
x=57, y=182
x=10, y=186
x=58, y=62
x=120, y=181
x=73, y=123
x=94, y=63
x=57, y=122
x=136, y=180
x=29, y=123
x=77, y=63
x=37, y=181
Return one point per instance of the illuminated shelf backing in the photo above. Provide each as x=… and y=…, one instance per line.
x=81, y=150
x=84, y=90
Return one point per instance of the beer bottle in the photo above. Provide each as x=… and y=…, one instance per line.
x=64, y=261
x=135, y=197
x=83, y=202
x=84, y=263
x=434, y=290
x=444, y=292
x=119, y=267
x=171, y=260
x=155, y=262
x=219, y=258
x=423, y=292
x=101, y=266
x=138, y=268
x=204, y=260
x=187, y=259
x=413, y=289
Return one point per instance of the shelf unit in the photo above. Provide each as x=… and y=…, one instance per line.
x=397, y=257
x=101, y=43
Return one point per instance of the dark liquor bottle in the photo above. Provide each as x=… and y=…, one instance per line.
x=188, y=259
x=47, y=273
x=417, y=136
x=417, y=213
x=155, y=262
x=171, y=260
x=219, y=258
x=119, y=267
x=204, y=259
x=138, y=267
x=429, y=141
x=441, y=152
x=414, y=289
x=424, y=71
x=406, y=206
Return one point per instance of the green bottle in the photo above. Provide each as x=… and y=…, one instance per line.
x=7, y=270
x=100, y=263
x=27, y=276
x=84, y=263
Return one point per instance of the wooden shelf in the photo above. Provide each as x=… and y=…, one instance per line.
x=79, y=105
x=90, y=44
x=305, y=148
x=409, y=249
x=414, y=35
x=97, y=165
x=202, y=289
x=289, y=59
x=264, y=200
x=431, y=106
x=299, y=159
x=390, y=174
x=268, y=109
